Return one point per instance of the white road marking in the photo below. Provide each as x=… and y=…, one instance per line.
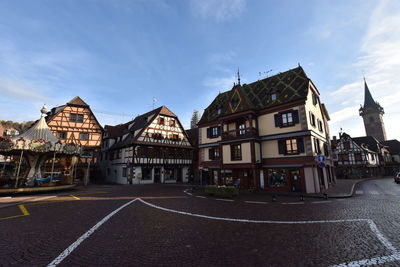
x=5, y=197
x=359, y=192
x=321, y=202
x=292, y=203
x=222, y=199
x=256, y=202
x=373, y=261
x=370, y=222
x=340, y=199
x=373, y=192
x=200, y=197
x=74, y=245
x=186, y=192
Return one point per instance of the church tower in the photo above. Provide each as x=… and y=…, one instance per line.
x=372, y=114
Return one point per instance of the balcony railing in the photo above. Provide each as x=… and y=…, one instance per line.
x=240, y=133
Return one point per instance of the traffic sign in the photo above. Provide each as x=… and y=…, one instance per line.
x=320, y=158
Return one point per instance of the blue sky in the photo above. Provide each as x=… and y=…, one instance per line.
x=117, y=55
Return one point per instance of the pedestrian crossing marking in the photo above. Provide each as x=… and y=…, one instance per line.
x=359, y=192
x=374, y=192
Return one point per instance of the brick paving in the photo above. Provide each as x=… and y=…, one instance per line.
x=140, y=235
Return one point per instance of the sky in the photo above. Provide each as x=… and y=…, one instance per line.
x=118, y=55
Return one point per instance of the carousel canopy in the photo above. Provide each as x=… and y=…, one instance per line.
x=39, y=131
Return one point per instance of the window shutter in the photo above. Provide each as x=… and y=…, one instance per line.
x=310, y=114
x=281, y=146
x=208, y=132
x=295, y=115
x=277, y=120
x=300, y=145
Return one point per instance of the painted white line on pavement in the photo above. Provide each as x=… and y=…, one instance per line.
x=74, y=245
x=5, y=197
x=340, y=199
x=374, y=192
x=373, y=261
x=359, y=192
x=186, y=192
x=370, y=222
x=256, y=202
x=222, y=199
x=292, y=203
x=200, y=197
x=321, y=202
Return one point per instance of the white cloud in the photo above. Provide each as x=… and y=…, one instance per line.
x=221, y=84
x=20, y=90
x=379, y=59
x=219, y=10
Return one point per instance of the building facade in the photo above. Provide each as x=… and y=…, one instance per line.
x=356, y=158
x=75, y=123
x=268, y=135
x=152, y=148
x=372, y=114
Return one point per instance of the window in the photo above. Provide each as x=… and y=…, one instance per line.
x=213, y=154
x=371, y=119
x=62, y=135
x=72, y=117
x=317, y=146
x=172, y=123
x=277, y=177
x=346, y=145
x=236, y=152
x=287, y=118
x=87, y=153
x=124, y=172
x=146, y=173
x=358, y=157
x=326, y=151
x=213, y=132
x=76, y=117
x=161, y=121
x=291, y=146
x=169, y=173
x=314, y=99
x=84, y=136
x=274, y=96
x=119, y=153
x=79, y=118
x=312, y=119
x=320, y=126
x=241, y=126
x=343, y=157
x=175, y=137
x=157, y=136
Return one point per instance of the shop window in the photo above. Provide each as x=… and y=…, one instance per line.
x=84, y=136
x=214, y=132
x=169, y=174
x=277, y=177
x=146, y=173
x=236, y=152
x=213, y=154
x=287, y=118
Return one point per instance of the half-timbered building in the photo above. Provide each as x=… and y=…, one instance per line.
x=75, y=123
x=268, y=134
x=355, y=158
x=152, y=148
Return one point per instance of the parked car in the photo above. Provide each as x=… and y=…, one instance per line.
x=397, y=177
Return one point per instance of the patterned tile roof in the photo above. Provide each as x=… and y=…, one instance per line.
x=290, y=86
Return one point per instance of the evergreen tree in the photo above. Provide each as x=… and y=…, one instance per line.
x=195, y=119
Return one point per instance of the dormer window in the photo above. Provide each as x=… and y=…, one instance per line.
x=235, y=101
x=274, y=96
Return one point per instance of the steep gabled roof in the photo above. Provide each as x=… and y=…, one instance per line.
x=135, y=127
x=394, y=146
x=369, y=141
x=290, y=86
x=77, y=101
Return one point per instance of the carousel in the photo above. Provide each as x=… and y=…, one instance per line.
x=37, y=159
